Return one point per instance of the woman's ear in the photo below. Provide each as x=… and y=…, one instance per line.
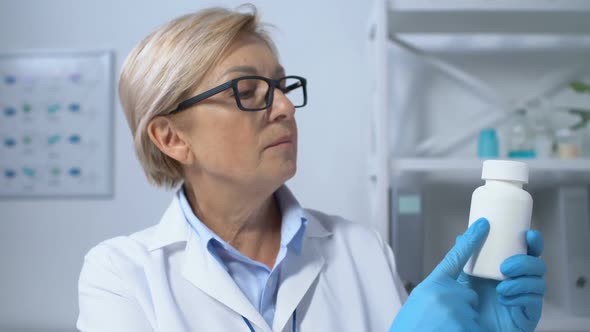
x=170, y=140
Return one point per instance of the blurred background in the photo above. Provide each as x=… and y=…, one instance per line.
x=43, y=238
x=406, y=98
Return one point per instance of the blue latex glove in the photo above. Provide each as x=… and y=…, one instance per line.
x=514, y=304
x=441, y=302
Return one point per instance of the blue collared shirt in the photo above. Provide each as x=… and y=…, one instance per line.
x=258, y=283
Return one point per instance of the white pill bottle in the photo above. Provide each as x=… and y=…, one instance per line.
x=508, y=208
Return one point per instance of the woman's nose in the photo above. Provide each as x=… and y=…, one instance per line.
x=281, y=106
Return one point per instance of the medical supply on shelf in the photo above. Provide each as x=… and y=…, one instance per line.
x=521, y=143
x=543, y=135
x=568, y=144
x=487, y=145
x=508, y=209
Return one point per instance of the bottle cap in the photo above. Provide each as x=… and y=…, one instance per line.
x=505, y=170
x=488, y=132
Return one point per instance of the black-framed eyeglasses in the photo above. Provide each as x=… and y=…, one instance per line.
x=255, y=93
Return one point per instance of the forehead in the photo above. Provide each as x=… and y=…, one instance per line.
x=248, y=54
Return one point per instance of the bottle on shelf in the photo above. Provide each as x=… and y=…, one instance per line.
x=568, y=144
x=487, y=145
x=520, y=140
x=543, y=135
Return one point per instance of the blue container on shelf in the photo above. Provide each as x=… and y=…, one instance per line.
x=522, y=154
x=487, y=145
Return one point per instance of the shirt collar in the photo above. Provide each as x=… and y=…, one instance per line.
x=293, y=223
x=174, y=228
x=198, y=226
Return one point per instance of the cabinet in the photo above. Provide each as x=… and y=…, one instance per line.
x=441, y=71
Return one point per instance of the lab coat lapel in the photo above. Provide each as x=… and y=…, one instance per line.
x=200, y=268
x=204, y=272
x=298, y=275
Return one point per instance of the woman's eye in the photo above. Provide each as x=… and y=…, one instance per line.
x=246, y=94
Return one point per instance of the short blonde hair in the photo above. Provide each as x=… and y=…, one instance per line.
x=163, y=69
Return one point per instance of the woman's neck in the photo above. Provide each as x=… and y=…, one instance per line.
x=248, y=220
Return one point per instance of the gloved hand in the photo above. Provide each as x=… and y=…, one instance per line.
x=440, y=302
x=514, y=304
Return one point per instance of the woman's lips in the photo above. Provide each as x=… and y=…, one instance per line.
x=283, y=141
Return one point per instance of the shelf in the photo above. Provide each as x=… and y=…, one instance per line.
x=542, y=172
x=493, y=44
x=555, y=320
x=467, y=164
x=505, y=5
x=487, y=16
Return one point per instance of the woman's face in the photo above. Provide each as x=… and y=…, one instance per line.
x=238, y=146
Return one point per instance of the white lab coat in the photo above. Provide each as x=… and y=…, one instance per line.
x=163, y=279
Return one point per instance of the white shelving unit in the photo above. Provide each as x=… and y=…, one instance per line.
x=444, y=24
x=489, y=16
x=542, y=173
x=445, y=36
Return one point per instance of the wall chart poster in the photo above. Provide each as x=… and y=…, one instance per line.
x=56, y=124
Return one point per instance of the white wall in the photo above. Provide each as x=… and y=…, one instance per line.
x=42, y=242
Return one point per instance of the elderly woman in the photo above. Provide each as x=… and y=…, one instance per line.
x=211, y=111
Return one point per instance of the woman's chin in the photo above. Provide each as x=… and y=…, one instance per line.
x=286, y=171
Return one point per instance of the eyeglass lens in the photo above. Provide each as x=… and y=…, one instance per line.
x=253, y=93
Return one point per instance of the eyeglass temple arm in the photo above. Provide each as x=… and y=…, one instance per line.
x=292, y=87
x=190, y=102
